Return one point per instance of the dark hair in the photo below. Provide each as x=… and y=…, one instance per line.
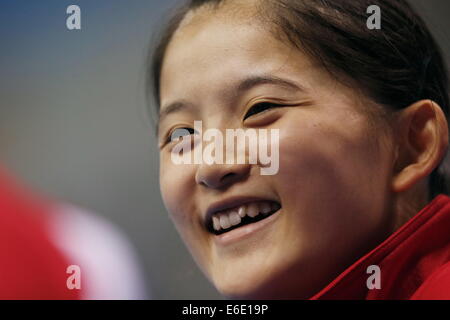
x=395, y=66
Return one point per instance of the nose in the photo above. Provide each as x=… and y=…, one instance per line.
x=218, y=176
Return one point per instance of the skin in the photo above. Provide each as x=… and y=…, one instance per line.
x=342, y=185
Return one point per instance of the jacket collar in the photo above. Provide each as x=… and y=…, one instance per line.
x=406, y=258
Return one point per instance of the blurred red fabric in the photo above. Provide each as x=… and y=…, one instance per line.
x=31, y=267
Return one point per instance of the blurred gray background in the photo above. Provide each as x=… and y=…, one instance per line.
x=73, y=120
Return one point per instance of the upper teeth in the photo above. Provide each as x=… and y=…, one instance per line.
x=231, y=217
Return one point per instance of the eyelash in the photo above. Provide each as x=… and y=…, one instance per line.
x=255, y=109
x=169, y=137
x=260, y=107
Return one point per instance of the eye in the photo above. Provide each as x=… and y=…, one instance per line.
x=178, y=133
x=260, y=107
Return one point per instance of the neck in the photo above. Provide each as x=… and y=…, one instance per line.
x=406, y=204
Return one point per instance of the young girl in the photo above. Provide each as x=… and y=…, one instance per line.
x=357, y=209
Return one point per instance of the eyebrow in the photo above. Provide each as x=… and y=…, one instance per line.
x=244, y=85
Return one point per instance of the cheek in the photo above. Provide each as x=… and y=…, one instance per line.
x=331, y=179
x=333, y=168
x=176, y=185
x=334, y=147
x=177, y=190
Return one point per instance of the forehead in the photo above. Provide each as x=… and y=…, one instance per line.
x=212, y=49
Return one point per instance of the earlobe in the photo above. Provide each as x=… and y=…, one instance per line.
x=422, y=138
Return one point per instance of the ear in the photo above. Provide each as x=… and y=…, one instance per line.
x=422, y=140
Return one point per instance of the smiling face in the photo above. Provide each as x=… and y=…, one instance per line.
x=333, y=178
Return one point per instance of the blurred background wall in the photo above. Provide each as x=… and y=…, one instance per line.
x=73, y=119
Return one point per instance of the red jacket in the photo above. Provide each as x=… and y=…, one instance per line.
x=414, y=261
x=30, y=265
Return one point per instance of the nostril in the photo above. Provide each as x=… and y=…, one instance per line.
x=221, y=175
x=223, y=181
x=228, y=176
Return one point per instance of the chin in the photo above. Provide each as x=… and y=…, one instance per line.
x=241, y=292
x=274, y=285
x=264, y=292
x=238, y=287
x=247, y=288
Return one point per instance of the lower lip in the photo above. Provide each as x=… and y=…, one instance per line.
x=244, y=231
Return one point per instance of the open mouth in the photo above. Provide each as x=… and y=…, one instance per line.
x=226, y=220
